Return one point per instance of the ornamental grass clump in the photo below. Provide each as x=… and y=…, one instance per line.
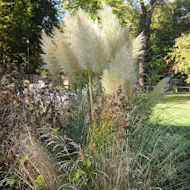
x=120, y=148
x=152, y=159
x=88, y=49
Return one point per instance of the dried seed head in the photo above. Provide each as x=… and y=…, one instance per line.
x=115, y=109
x=10, y=87
x=119, y=90
x=22, y=66
x=29, y=96
x=109, y=99
x=1, y=70
x=36, y=91
x=26, y=83
x=122, y=97
x=100, y=100
x=15, y=64
x=113, y=104
x=88, y=119
x=7, y=77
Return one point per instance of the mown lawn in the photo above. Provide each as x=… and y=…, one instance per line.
x=174, y=110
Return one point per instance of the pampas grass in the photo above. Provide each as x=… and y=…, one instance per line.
x=49, y=56
x=158, y=92
x=66, y=57
x=153, y=159
x=124, y=67
x=143, y=156
x=89, y=47
x=111, y=79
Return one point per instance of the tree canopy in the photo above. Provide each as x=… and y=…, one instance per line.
x=24, y=20
x=181, y=55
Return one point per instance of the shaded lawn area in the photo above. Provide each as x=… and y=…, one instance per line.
x=174, y=110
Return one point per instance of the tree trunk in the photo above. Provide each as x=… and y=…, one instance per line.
x=146, y=17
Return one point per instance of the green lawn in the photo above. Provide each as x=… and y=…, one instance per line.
x=174, y=110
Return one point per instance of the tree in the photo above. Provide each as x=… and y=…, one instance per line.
x=24, y=20
x=181, y=55
x=181, y=11
x=146, y=19
x=168, y=22
x=163, y=33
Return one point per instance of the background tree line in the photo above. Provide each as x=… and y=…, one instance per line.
x=21, y=25
x=161, y=21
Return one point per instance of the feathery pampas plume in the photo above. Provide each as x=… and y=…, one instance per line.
x=87, y=44
x=49, y=57
x=158, y=92
x=66, y=57
x=124, y=64
x=137, y=45
x=124, y=53
x=114, y=35
x=106, y=50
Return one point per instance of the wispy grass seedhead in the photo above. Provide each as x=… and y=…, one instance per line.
x=122, y=71
x=114, y=35
x=111, y=79
x=137, y=45
x=89, y=47
x=49, y=56
x=158, y=92
x=66, y=57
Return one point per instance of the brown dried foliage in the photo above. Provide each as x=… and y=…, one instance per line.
x=21, y=115
x=114, y=110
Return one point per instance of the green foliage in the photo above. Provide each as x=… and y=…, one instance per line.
x=181, y=13
x=168, y=22
x=11, y=182
x=181, y=55
x=40, y=182
x=22, y=21
x=156, y=70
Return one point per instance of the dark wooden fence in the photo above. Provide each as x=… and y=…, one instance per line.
x=176, y=89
